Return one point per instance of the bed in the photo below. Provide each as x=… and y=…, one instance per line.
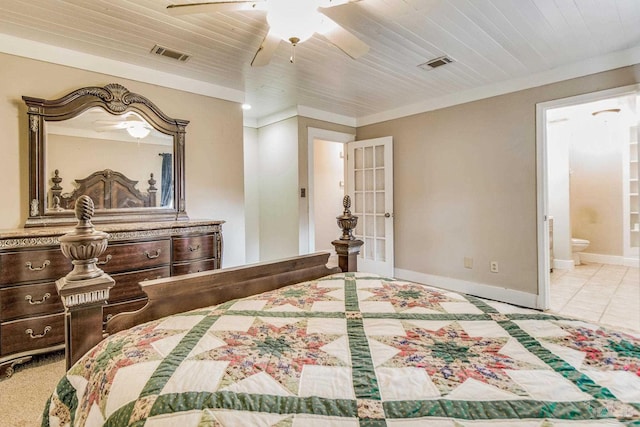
x=345, y=349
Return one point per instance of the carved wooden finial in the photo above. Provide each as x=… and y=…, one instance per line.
x=84, y=244
x=56, y=191
x=346, y=202
x=84, y=209
x=346, y=221
x=56, y=180
x=152, y=183
x=86, y=288
x=347, y=246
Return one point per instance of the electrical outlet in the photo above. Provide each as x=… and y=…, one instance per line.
x=468, y=262
x=494, y=266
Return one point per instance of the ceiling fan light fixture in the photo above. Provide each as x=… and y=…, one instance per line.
x=138, y=130
x=293, y=19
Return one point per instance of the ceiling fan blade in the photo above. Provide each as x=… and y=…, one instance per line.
x=106, y=128
x=266, y=50
x=212, y=7
x=113, y=124
x=347, y=42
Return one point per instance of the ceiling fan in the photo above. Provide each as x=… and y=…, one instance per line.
x=132, y=123
x=291, y=20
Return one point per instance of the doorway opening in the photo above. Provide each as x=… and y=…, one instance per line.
x=327, y=192
x=327, y=185
x=588, y=205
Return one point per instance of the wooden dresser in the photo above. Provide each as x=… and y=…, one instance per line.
x=31, y=313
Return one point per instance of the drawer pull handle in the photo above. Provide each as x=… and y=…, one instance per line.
x=45, y=297
x=29, y=332
x=152, y=278
x=194, y=248
x=106, y=260
x=32, y=268
x=152, y=256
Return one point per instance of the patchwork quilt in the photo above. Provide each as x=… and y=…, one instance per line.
x=355, y=350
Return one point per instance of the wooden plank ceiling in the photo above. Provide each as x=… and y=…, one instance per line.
x=490, y=40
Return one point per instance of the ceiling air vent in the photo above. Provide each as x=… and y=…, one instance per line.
x=163, y=51
x=435, y=63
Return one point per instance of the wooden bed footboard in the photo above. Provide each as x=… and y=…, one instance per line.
x=85, y=290
x=197, y=290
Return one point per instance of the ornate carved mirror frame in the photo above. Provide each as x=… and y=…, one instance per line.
x=116, y=100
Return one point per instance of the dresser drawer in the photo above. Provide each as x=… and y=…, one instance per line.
x=195, y=247
x=32, y=266
x=31, y=334
x=28, y=300
x=127, y=284
x=135, y=256
x=193, y=267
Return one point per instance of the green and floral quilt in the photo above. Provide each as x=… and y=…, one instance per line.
x=356, y=350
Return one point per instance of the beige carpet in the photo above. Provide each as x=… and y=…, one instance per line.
x=23, y=396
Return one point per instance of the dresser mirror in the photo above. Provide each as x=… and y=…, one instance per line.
x=108, y=143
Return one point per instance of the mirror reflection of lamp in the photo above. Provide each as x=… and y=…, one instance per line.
x=137, y=129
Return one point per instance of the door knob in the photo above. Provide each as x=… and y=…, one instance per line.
x=387, y=215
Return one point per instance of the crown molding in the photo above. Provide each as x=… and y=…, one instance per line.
x=71, y=58
x=276, y=117
x=84, y=61
x=314, y=113
x=300, y=111
x=595, y=65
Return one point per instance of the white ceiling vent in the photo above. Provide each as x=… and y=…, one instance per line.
x=163, y=51
x=435, y=63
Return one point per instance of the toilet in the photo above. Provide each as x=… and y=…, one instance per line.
x=577, y=246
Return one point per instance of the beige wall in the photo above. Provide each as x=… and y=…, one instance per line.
x=276, y=162
x=278, y=189
x=251, y=195
x=135, y=160
x=465, y=183
x=595, y=156
x=559, y=207
x=214, y=152
x=328, y=173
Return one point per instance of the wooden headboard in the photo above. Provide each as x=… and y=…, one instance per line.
x=108, y=189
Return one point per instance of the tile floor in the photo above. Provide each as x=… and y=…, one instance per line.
x=608, y=294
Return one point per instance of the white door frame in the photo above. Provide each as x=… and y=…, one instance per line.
x=542, y=183
x=326, y=135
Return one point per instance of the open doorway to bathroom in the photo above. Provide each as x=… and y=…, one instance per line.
x=326, y=186
x=327, y=192
x=588, y=175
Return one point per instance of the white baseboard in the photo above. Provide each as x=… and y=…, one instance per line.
x=631, y=262
x=482, y=290
x=604, y=259
x=563, y=264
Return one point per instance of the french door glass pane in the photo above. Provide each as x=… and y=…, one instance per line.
x=380, y=250
x=380, y=156
x=368, y=157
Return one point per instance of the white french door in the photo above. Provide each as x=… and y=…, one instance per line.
x=370, y=185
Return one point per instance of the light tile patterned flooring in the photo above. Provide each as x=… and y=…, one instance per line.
x=608, y=294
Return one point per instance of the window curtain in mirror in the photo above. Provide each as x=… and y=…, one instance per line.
x=166, y=189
